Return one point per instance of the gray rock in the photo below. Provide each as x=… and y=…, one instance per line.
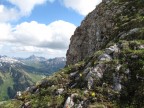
x=19, y=93
x=123, y=35
x=69, y=102
x=86, y=92
x=127, y=71
x=60, y=91
x=109, y=50
x=88, y=65
x=86, y=70
x=112, y=49
x=104, y=57
x=98, y=71
x=132, y=31
x=117, y=87
x=90, y=82
x=106, y=1
x=26, y=105
x=80, y=105
x=98, y=34
x=116, y=82
x=73, y=85
x=27, y=89
x=134, y=56
x=90, y=74
x=141, y=47
x=118, y=67
x=135, y=30
x=32, y=89
x=139, y=77
x=73, y=74
x=37, y=91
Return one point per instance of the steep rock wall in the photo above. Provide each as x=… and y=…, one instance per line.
x=94, y=32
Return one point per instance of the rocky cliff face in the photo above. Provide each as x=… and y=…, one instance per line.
x=105, y=63
x=99, y=28
x=94, y=32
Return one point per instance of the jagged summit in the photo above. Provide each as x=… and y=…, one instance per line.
x=105, y=63
x=34, y=57
x=6, y=59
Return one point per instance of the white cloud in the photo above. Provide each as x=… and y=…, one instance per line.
x=36, y=37
x=1, y=46
x=36, y=50
x=55, y=35
x=26, y=6
x=83, y=7
x=5, y=32
x=20, y=8
x=30, y=49
x=32, y=37
x=18, y=50
x=8, y=14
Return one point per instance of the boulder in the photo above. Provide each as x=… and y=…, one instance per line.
x=104, y=57
x=60, y=91
x=79, y=105
x=132, y=31
x=69, y=102
x=73, y=74
x=112, y=49
x=98, y=70
x=117, y=87
x=118, y=67
x=18, y=93
x=73, y=85
x=141, y=47
x=117, y=82
x=90, y=82
x=127, y=71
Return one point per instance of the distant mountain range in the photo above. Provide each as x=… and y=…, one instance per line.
x=16, y=74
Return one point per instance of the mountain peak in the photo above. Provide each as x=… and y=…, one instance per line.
x=34, y=57
x=7, y=59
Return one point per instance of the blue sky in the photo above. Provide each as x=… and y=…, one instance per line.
x=40, y=27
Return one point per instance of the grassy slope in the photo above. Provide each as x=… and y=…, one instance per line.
x=8, y=82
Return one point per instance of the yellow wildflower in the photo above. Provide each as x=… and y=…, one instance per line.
x=80, y=74
x=93, y=94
